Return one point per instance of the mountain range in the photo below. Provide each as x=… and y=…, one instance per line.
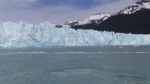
x=133, y=19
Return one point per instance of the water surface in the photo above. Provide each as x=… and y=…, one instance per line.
x=76, y=65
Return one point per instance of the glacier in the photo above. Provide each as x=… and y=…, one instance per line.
x=23, y=34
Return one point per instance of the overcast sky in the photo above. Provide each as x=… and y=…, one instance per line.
x=57, y=11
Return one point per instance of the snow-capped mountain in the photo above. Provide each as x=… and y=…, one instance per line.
x=96, y=19
x=143, y=4
x=133, y=19
x=46, y=35
x=100, y=17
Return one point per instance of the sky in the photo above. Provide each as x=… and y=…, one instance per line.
x=57, y=11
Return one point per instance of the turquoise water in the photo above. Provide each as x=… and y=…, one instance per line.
x=76, y=65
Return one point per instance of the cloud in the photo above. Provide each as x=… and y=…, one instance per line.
x=16, y=3
x=104, y=1
x=31, y=10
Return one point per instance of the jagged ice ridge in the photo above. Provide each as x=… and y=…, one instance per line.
x=47, y=35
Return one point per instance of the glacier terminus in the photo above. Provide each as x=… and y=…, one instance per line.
x=23, y=34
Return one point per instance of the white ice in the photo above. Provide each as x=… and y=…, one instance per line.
x=23, y=34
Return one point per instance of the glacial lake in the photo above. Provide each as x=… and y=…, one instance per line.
x=75, y=65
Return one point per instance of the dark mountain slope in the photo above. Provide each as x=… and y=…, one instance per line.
x=133, y=19
x=137, y=23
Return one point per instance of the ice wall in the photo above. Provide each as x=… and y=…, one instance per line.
x=46, y=35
